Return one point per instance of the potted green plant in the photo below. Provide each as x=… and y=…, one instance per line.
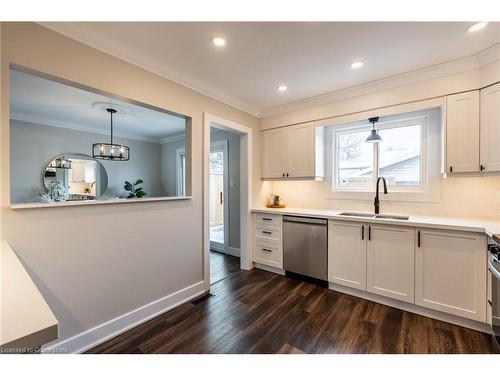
x=134, y=190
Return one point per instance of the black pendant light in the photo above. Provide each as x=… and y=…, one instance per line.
x=374, y=137
x=110, y=151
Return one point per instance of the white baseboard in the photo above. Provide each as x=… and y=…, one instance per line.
x=105, y=331
x=269, y=268
x=438, y=315
x=228, y=250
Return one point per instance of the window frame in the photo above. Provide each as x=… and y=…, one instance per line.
x=422, y=121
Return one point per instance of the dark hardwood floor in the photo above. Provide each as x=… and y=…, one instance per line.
x=222, y=266
x=260, y=312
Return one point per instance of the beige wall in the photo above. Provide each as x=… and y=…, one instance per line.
x=465, y=197
x=95, y=263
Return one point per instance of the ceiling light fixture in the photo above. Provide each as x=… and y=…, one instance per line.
x=218, y=41
x=374, y=137
x=282, y=88
x=110, y=151
x=477, y=26
x=356, y=64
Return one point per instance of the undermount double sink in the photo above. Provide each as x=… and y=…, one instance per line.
x=374, y=216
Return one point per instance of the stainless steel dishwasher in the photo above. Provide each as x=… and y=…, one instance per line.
x=305, y=246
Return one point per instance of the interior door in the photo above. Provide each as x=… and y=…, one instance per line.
x=219, y=226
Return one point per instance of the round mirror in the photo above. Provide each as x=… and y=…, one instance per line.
x=71, y=177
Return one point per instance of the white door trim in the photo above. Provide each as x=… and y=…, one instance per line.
x=223, y=145
x=245, y=190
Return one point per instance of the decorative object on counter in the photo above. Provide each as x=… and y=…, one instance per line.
x=276, y=202
x=374, y=137
x=45, y=197
x=110, y=151
x=57, y=191
x=135, y=191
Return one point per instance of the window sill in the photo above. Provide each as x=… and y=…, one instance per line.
x=19, y=206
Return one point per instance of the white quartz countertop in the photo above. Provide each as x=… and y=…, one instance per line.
x=437, y=222
x=26, y=321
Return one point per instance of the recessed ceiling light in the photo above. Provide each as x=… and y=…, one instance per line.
x=356, y=64
x=477, y=26
x=282, y=88
x=218, y=41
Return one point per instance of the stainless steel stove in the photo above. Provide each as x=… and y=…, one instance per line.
x=494, y=269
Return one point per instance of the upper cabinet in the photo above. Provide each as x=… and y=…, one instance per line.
x=293, y=152
x=273, y=142
x=473, y=131
x=462, y=132
x=490, y=128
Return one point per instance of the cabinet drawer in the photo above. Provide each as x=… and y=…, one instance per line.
x=268, y=233
x=268, y=220
x=268, y=253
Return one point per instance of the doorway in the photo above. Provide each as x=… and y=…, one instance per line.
x=239, y=256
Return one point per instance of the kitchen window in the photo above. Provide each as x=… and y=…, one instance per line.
x=401, y=157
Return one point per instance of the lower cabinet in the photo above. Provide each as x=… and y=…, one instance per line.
x=347, y=254
x=268, y=240
x=451, y=272
x=390, y=262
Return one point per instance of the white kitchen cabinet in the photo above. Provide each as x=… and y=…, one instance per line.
x=77, y=172
x=300, y=143
x=268, y=240
x=293, y=152
x=273, y=142
x=390, y=262
x=347, y=254
x=462, y=132
x=450, y=272
x=490, y=128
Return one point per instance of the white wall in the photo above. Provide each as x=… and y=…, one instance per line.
x=108, y=260
x=472, y=196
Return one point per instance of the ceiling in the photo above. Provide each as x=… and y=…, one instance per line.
x=311, y=58
x=42, y=101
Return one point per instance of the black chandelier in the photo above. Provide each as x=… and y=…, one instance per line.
x=110, y=151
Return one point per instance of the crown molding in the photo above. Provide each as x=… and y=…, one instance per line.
x=46, y=121
x=435, y=71
x=173, y=138
x=123, y=51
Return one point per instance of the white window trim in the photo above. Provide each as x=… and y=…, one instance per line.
x=430, y=167
x=178, y=162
